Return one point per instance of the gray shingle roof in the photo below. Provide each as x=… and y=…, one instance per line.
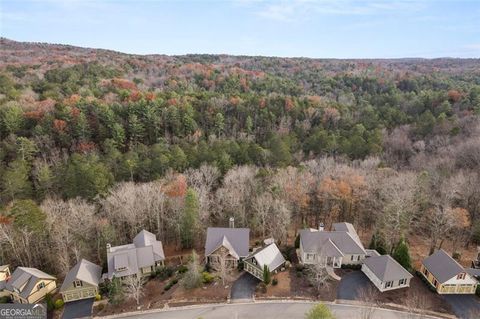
x=475, y=272
x=143, y=252
x=238, y=238
x=25, y=279
x=269, y=255
x=442, y=266
x=386, y=268
x=85, y=271
x=316, y=241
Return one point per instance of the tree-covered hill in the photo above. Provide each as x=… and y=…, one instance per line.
x=313, y=138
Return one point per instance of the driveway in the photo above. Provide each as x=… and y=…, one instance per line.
x=78, y=309
x=464, y=306
x=244, y=287
x=351, y=283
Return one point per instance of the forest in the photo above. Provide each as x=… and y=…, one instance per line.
x=97, y=145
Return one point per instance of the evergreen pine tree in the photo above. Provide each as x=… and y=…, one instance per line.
x=402, y=255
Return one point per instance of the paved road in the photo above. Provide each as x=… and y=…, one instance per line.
x=464, y=306
x=272, y=310
x=244, y=287
x=355, y=279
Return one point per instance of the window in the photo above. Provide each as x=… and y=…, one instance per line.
x=77, y=283
x=388, y=284
x=121, y=268
x=358, y=257
x=41, y=285
x=310, y=256
x=425, y=272
x=402, y=282
x=461, y=276
x=351, y=257
x=435, y=283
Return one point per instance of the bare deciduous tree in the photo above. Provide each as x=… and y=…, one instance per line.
x=134, y=287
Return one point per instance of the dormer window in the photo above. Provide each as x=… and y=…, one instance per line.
x=77, y=283
x=461, y=276
x=121, y=269
x=41, y=285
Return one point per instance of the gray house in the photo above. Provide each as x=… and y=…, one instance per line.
x=81, y=281
x=269, y=256
x=225, y=247
x=4, y=275
x=139, y=258
x=386, y=273
x=331, y=248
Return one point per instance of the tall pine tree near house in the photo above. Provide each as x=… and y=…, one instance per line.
x=267, y=277
x=402, y=255
x=189, y=220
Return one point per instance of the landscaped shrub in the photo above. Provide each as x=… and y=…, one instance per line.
x=182, y=269
x=240, y=265
x=274, y=282
x=49, y=302
x=163, y=272
x=170, y=284
x=208, y=267
x=299, y=268
x=456, y=255
x=477, y=292
x=207, y=277
x=5, y=299
x=297, y=242
x=98, y=297
x=59, y=304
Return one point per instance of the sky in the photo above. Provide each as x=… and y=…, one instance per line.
x=296, y=28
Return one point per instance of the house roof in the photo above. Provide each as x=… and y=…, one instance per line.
x=143, y=252
x=269, y=255
x=85, y=271
x=236, y=240
x=442, y=266
x=475, y=272
x=386, y=268
x=25, y=279
x=319, y=242
x=372, y=253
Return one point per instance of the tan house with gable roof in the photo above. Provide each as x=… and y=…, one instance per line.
x=447, y=275
x=30, y=285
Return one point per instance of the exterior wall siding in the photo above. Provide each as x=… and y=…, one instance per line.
x=75, y=293
x=451, y=286
x=37, y=295
x=381, y=285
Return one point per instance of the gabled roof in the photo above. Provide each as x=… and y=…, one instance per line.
x=386, y=268
x=143, y=252
x=147, y=239
x=85, y=271
x=25, y=279
x=236, y=238
x=319, y=242
x=442, y=266
x=3, y=267
x=269, y=255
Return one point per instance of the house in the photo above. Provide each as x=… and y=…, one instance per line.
x=81, y=281
x=447, y=275
x=4, y=275
x=269, y=255
x=331, y=248
x=225, y=247
x=139, y=258
x=30, y=285
x=386, y=273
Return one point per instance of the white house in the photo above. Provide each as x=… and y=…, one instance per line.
x=386, y=273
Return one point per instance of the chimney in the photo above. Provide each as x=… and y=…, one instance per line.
x=231, y=222
x=108, y=248
x=321, y=227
